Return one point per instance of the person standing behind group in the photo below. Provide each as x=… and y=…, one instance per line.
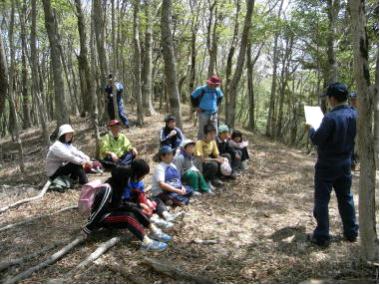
x=206, y=100
x=335, y=143
x=110, y=89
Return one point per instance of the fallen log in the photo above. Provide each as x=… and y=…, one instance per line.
x=27, y=221
x=16, y=261
x=26, y=200
x=102, y=248
x=50, y=260
x=174, y=272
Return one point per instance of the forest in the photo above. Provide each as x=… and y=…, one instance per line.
x=273, y=58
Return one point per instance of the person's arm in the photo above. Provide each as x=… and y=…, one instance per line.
x=197, y=92
x=65, y=154
x=163, y=138
x=127, y=146
x=180, y=134
x=178, y=162
x=79, y=153
x=168, y=188
x=319, y=136
x=219, y=96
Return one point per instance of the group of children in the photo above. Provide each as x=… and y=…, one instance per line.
x=185, y=168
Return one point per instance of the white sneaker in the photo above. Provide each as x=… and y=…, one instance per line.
x=161, y=222
x=212, y=187
x=197, y=193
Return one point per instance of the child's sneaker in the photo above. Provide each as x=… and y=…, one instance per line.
x=212, y=188
x=161, y=223
x=160, y=236
x=197, y=193
x=172, y=217
x=153, y=245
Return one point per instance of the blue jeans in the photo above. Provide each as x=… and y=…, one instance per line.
x=337, y=177
x=121, y=110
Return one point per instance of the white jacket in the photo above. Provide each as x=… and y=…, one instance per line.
x=60, y=154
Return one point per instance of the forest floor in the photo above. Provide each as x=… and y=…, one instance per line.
x=258, y=222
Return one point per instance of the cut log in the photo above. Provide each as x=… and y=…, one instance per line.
x=16, y=261
x=50, y=260
x=26, y=200
x=175, y=272
x=28, y=221
x=102, y=248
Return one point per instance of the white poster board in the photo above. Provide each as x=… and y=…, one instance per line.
x=313, y=116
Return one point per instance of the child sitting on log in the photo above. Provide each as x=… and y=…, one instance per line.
x=184, y=161
x=109, y=210
x=167, y=185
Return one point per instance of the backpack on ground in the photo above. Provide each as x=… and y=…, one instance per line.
x=61, y=183
x=87, y=196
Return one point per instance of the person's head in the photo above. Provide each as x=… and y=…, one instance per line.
x=224, y=132
x=188, y=146
x=114, y=126
x=353, y=99
x=165, y=154
x=337, y=93
x=214, y=82
x=140, y=168
x=110, y=79
x=65, y=134
x=209, y=132
x=237, y=136
x=170, y=121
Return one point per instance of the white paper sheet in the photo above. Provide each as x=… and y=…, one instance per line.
x=313, y=116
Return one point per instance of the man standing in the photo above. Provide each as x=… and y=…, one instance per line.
x=206, y=100
x=110, y=89
x=335, y=142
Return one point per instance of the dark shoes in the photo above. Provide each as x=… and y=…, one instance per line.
x=351, y=238
x=319, y=242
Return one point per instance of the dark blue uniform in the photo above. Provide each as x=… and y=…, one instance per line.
x=335, y=140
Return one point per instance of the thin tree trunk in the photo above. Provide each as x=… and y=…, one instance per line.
x=12, y=97
x=230, y=56
x=37, y=84
x=147, y=70
x=61, y=112
x=240, y=64
x=169, y=59
x=271, y=113
x=367, y=182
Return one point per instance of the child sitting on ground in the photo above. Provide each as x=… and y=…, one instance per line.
x=240, y=145
x=225, y=150
x=167, y=184
x=184, y=161
x=154, y=209
x=171, y=135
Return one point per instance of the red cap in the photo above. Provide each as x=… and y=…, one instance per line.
x=215, y=80
x=113, y=123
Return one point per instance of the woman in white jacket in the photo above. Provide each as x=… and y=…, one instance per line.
x=65, y=159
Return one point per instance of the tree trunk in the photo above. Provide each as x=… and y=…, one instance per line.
x=229, y=61
x=27, y=122
x=147, y=74
x=137, y=63
x=11, y=96
x=3, y=79
x=240, y=64
x=86, y=72
x=271, y=113
x=251, y=94
x=61, y=112
x=37, y=88
x=367, y=181
x=169, y=59
x=98, y=20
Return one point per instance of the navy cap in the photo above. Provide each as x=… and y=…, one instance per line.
x=169, y=118
x=165, y=150
x=336, y=90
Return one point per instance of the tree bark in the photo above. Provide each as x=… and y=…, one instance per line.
x=11, y=91
x=240, y=64
x=169, y=59
x=147, y=70
x=37, y=88
x=367, y=181
x=61, y=112
x=137, y=63
x=271, y=113
x=3, y=78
